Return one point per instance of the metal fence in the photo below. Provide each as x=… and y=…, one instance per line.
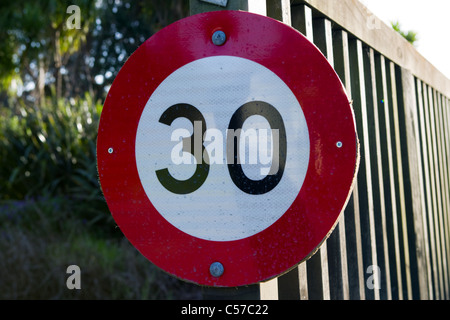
x=392, y=242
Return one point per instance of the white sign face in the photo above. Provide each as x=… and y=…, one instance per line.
x=222, y=148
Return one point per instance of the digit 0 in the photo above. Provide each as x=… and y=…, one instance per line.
x=278, y=160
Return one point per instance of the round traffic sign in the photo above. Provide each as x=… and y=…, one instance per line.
x=227, y=148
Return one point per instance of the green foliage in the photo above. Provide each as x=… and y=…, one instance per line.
x=52, y=211
x=34, y=32
x=35, y=42
x=41, y=238
x=49, y=150
x=410, y=36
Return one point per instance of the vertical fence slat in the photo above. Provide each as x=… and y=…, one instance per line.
x=389, y=179
x=301, y=19
x=446, y=143
x=337, y=263
x=269, y=290
x=364, y=177
x=315, y=272
x=280, y=10
x=351, y=237
x=323, y=38
x=399, y=184
x=198, y=6
x=442, y=178
x=428, y=218
x=435, y=141
x=355, y=263
x=374, y=86
x=385, y=151
x=413, y=184
x=371, y=168
x=446, y=192
x=436, y=196
x=318, y=266
x=433, y=200
x=303, y=281
x=289, y=285
x=294, y=284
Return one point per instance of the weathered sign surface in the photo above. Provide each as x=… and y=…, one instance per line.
x=227, y=148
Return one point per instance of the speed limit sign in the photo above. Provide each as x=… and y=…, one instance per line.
x=227, y=148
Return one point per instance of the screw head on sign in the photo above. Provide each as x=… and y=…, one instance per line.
x=216, y=269
x=219, y=37
x=110, y=150
x=339, y=144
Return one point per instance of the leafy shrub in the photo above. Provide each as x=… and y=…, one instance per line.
x=40, y=238
x=53, y=214
x=47, y=148
x=50, y=150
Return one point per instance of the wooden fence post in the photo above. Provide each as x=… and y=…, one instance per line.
x=255, y=6
x=415, y=191
x=278, y=9
x=380, y=233
x=351, y=231
x=365, y=185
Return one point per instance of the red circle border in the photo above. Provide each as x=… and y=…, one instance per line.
x=331, y=170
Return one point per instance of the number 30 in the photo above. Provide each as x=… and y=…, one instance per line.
x=238, y=176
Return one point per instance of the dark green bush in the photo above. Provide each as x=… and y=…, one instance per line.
x=49, y=151
x=40, y=239
x=53, y=214
x=50, y=148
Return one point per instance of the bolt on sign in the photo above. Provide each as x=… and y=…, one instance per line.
x=227, y=148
